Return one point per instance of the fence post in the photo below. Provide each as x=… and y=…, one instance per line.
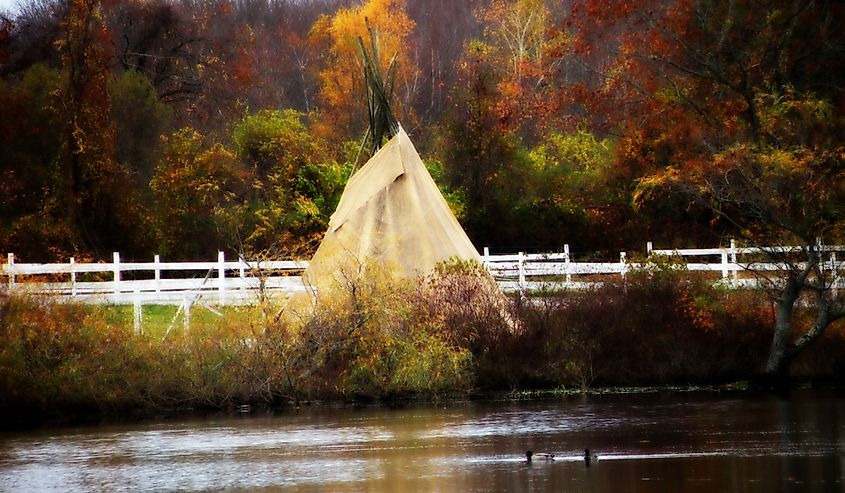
x=157, y=273
x=834, y=280
x=72, y=277
x=221, y=276
x=724, y=264
x=566, y=263
x=648, y=248
x=623, y=259
x=136, y=303
x=116, y=271
x=11, y=261
x=486, y=258
x=735, y=266
x=521, y=265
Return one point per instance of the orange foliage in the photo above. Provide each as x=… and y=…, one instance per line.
x=341, y=78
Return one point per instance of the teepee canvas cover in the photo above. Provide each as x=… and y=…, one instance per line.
x=391, y=212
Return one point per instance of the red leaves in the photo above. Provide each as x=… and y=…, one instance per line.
x=690, y=75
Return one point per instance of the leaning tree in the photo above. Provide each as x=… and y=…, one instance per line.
x=735, y=106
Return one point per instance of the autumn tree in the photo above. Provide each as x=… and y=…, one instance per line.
x=195, y=182
x=527, y=53
x=94, y=190
x=341, y=77
x=296, y=184
x=31, y=144
x=733, y=106
x=82, y=103
x=483, y=158
x=776, y=195
x=511, y=167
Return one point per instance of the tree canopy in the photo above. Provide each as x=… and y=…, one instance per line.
x=599, y=124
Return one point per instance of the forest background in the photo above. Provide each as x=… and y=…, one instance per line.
x=182, y=128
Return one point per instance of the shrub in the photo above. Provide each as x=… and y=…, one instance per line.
x=475, y=315
x=60, y=359
x=372, y=336
x=657, y=326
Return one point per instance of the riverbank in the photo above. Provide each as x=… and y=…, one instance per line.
x=450, y=335
x=739, y=390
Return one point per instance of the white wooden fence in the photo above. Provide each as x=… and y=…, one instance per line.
x=156, y=283
x=242, y=282
x=733, y=266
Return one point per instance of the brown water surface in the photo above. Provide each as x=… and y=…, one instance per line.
x=699, y=442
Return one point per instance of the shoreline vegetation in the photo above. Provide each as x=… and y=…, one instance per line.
x=450, y=335
x=183, y=129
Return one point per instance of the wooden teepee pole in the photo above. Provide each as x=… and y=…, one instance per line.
x=382, y=124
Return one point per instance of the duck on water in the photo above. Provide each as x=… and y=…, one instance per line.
x=589, y=457
x=538, y=456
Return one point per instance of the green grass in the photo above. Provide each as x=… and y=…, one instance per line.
x=156, y=319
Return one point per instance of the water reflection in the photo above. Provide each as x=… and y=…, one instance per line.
x=678, y=442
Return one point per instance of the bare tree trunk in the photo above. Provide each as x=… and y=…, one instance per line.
x=779, y=352
x=828, y=308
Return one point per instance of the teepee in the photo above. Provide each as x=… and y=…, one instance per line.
x=392, y=213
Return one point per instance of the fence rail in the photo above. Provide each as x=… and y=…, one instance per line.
x=165, y=283
x=733, y=265
x=226, y=282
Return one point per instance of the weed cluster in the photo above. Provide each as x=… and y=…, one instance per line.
x=655, y=327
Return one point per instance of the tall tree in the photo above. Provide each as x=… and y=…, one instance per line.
x=341, y=77
x=442, y=29
x=87, y=158
x=481, y=153
x=737, y=105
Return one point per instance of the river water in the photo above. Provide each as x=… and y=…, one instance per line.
x=695, y=441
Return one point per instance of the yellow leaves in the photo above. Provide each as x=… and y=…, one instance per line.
x=582, y=149
x=518, y=29
x=342, y=76
x=650, y=187
x=763, y=162
x=780, y=160
x=632, y=146
x=627, y=49
x=78, y=138
x=305, y=208
x=789, y=119
x=388, y=17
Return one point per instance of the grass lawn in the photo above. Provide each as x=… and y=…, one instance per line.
x=157, y=319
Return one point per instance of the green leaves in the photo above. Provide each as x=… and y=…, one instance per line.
x=296, y=182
